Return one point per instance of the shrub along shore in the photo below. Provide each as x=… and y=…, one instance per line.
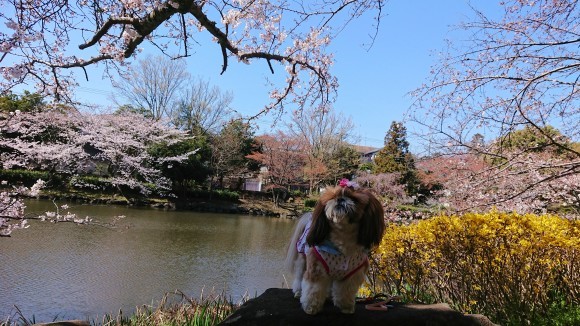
x=515, y=269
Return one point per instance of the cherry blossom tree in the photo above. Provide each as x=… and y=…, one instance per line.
x=124, y=142
x=62, y=140
x=44, y=40
x=386, y=185
x=12, y=210
x=41, y=140
x=520, y=71
x=470, y=182
x=66, y=141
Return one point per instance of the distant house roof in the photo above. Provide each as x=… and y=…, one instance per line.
x=365, y=149
x=369, y=155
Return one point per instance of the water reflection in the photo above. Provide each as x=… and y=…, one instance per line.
x=73, y=271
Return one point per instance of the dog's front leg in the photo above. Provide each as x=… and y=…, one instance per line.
x=315, y=286
x=344, y=292
x=299, y=268
x=314, y=295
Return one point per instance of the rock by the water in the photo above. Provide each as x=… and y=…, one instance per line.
x=278, y=307
x=65, y=323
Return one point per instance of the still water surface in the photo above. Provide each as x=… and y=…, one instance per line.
x=75, y=271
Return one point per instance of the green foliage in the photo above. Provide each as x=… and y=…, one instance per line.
x=344, y=163
x=92, y=183
x=560, y=313
x=395, y=157
x=128, y=108
x=27, y=102
x=369, y=166
x=226, y=195
x=532, y=139
x=25, y=177
x=310, y=202
x=506, y=266
x=296, y=193
x=195, y=168
x=192, y=190
x=230, y=147
x=28, y=178
x=547, y=140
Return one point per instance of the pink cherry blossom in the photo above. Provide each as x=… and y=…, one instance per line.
x=66, y=141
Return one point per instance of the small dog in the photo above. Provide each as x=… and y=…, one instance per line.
x=328, y=250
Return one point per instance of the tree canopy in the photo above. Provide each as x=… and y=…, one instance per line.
x=520, y=71
x=153, y=84
x=27, y=102
x=44, y=40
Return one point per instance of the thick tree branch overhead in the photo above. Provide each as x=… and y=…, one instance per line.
x=41, y=42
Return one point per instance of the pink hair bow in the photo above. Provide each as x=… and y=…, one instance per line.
x=347, y=183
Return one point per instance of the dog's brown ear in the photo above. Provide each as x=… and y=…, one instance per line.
x=320, y=226
x=372, y=223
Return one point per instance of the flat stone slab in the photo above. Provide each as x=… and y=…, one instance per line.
x=65, y=323
x=279, y=307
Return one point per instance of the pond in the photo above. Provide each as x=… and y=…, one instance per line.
x=73, y=271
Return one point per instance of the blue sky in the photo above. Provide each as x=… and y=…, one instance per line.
x=374, y=83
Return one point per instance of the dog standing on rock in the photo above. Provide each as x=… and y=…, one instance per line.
x=328, y=252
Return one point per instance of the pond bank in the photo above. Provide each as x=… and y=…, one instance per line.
x=248, y=204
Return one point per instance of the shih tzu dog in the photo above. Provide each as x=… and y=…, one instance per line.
x=328, y=250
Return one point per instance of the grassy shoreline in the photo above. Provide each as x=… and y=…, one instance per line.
x=175, y=308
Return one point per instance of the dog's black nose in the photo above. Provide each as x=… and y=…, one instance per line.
x=340, y=200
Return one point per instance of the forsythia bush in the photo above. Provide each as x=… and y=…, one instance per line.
x=495, y=263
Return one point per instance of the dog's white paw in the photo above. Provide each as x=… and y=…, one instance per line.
x=312, y=309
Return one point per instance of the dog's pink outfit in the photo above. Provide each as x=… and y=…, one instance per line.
x=337, y=265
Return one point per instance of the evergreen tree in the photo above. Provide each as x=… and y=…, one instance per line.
x=27, y=102
x=396, y=158
x=343, y=163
